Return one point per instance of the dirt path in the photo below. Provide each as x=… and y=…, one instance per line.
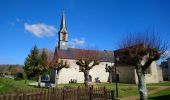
x=150, y=92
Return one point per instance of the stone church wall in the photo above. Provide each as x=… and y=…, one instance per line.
x=153, y=76
x=126, y=74
x=73, y=73
x=160, y=76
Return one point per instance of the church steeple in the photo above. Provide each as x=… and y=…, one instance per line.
x=63, y=35
x=63, y=21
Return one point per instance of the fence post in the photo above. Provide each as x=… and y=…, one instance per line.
x=48, y=94
x=4, y=97
x=24, y=95
x=104, y=90
x=112, y=94
x=78, y=97
x=63, y=94
x=54, y=93
x=18, y=95
x=91, y=93
x=41, y=93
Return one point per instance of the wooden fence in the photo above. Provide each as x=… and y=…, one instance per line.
x=98, y=93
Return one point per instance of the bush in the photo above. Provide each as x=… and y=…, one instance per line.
x=19, y=76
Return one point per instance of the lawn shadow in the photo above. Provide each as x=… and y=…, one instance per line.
x=164, y=97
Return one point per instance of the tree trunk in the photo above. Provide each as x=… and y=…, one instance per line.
x=86, y=78
x=39, y=81
x=57, y=78
x=26, y=77
x=141, y=85
x=110, y=77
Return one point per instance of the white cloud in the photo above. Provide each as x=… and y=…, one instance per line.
x=77, y=42
x=40, y=29
x=18, y=20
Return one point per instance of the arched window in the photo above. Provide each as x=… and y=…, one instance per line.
x=64, y=37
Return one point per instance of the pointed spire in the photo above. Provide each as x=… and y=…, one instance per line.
x=63, y=22
x=62, y=34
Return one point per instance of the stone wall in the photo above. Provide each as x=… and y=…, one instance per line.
x=126, y=74
x=153, y=77
x=160, y=76
x=66, y=75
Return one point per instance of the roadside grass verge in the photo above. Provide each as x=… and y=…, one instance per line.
x=161, y=95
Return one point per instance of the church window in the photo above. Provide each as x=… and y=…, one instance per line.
x=64, y=37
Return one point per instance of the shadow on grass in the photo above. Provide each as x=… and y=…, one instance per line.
x=164, y=97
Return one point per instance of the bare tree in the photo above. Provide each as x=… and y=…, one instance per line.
x=140, y=50
x=109, y=57
x=57, y=64
x=110, y=69
x=86, y=60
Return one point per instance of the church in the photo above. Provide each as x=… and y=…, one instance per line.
x=124, y=73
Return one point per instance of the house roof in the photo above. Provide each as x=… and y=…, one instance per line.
x=72, y=53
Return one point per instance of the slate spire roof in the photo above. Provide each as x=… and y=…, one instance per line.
x=63, y=28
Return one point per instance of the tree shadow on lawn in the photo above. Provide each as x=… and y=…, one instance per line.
x=164, y=97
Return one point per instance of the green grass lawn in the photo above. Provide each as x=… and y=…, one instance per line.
x=161, y=95
x=166, y=83
x=123, y=89
x=8, y=85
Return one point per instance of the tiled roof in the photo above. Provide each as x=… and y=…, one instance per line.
x=72, y=53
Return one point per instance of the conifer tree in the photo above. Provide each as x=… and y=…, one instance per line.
x=31, y=62
x=36, y=63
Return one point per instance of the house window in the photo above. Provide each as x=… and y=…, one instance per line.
x=148, y=70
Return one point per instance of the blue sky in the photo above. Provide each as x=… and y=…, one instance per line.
x=99, y=23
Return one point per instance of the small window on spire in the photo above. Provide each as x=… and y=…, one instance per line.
x=64, y=37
